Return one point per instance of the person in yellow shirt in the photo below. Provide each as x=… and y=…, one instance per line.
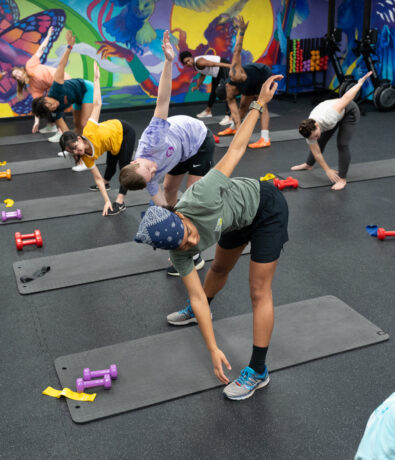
x=115, y=137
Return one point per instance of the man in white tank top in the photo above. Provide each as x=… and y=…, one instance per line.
x=213, y=66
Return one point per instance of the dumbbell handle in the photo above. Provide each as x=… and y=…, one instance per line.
x=11, y=214
x=112, y=372
x=382, y=233
x=105, y=382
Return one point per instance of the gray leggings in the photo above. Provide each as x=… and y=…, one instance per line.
x=346, y=127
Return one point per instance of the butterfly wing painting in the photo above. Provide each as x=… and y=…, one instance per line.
x=21, y=39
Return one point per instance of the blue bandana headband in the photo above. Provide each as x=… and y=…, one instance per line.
x=160, y=228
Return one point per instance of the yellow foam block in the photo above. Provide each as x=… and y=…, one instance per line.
x=49, y=391
x=3, y=163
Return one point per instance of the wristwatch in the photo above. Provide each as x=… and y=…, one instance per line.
x=256, y=105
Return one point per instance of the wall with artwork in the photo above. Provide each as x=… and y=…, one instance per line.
x=124, y=37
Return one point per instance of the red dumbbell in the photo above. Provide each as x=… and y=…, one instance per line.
x=29, y=238
x=382, y=233
x=288, y=182
x=5, y=174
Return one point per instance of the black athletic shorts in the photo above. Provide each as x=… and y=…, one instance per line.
x=200, y=163
x=268, y=231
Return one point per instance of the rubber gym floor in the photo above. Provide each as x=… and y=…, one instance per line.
x=312, y=411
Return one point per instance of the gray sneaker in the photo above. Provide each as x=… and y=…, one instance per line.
x=245, y=386
x=182, y=317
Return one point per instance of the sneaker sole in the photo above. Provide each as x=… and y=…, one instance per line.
x=97, y=190
x=248, y=395
x=116, y=213
x=199, y=266
x=183, y=323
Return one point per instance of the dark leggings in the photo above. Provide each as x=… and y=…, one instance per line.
x=222, y=75
x=124, y=156
x=346, y=128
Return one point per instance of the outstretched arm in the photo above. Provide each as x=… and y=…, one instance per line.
x=95, y=115
x=199, y=82
x=239, y=143
x=341, y=103
x=236, y=67
x=59, y=74
x=201, y=310
x=331, y=173
x=44, y=44
x=202, y=62
x=164, y=89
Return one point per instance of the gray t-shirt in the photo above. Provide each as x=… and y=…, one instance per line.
x=326, y=117
x=215, y=204
x=169, y=142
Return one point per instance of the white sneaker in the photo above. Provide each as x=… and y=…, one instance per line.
x=50, y=128
x=226, y=121
x=64, y=154
x=204, y=114
x=55, y=137
x=79, y=168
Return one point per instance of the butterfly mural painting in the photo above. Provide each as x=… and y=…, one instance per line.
x=19, y=40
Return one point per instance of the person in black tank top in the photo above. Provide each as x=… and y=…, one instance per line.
x=246, y=81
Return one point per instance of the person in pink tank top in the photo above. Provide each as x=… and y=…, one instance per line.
x=37, y=78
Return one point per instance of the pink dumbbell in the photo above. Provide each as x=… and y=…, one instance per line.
x=105, y=382
x=382, y=233
x=11, y=215
x=89, y=375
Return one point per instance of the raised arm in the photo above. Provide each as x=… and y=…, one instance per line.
x=44, y=44
x=59, y=74
x=236, y=68
x=164, y=89
x=341, y=103
x=95, y=115
x=239, y=143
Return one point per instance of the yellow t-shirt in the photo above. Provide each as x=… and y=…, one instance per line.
x=105, y=136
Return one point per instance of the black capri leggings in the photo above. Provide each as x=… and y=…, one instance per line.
x=124, y=156
x=346, y=126
x=222, y=75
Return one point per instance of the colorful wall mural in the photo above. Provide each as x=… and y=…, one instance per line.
x=124, y=37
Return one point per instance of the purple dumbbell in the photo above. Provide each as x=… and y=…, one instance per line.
x=104, y=382
x=112, y=372
x=11, y=215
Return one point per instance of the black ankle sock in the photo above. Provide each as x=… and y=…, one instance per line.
x=209, y=299
x=258, y=359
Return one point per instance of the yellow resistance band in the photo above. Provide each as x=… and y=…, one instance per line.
x=49, y=391
x=267, y=177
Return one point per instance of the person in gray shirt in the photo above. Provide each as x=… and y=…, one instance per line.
x=231, y=212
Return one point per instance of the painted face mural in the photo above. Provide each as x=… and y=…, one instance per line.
x=124, y=37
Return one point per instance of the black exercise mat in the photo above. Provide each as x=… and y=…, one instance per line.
x=44, y=164
x=91, y=265
x=357, y=172
x=217, y=118
x=69, y=205
x=149, y=369
x=24, y=138
x=275, y=136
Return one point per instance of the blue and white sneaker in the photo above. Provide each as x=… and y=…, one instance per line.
x=183, y=317
x=246, y=384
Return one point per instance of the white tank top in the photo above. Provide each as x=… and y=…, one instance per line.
x=211, y=71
